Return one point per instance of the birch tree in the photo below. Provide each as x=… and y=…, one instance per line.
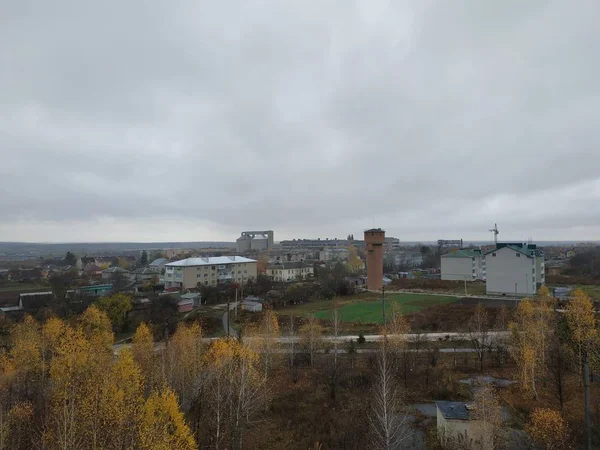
x=311, y=337
x=388, y=424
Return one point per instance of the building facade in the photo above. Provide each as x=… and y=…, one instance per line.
x=514, y=269
x=463, y=265
x=290, y=271
x=333, y=254
x=209, y=271
x=374, y=241
x=255, y=240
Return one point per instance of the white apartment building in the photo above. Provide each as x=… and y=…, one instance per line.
x=290, y=271
x=210, y=271
x=514, y=269
x=463, y=265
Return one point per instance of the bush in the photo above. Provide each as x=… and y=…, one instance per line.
x=361, y=338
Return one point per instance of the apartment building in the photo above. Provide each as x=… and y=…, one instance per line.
x=463, y=265
x=290, y=271
x=514, y=269
x=209, y=271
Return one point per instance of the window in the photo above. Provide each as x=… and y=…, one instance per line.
x=205, y=275
x=493, y=254
x=213, y=267
x=518, y=255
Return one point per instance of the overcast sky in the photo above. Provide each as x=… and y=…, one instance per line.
x=196, y=120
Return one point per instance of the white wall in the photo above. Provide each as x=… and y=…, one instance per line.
x=457, y=268
x=506, y=268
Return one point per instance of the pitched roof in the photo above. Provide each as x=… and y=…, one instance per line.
x=519, y=248
x=159, y=262
x=145, y=271
x=192, y=262
x=454, y=410
x=115, y=269
x=462, y=254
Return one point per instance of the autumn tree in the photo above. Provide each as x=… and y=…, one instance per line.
x=479, y=333
x=582, y=323
x=487, y=413
x=264, y=339
x=233, y=391
x=162, y=425
x=183, y=362
x=69, y=375
x=122, y=403
x=523, y=347
x=388, y=425
x=548, y=429
x=116, y=308
x=144, y=355
x=311, y=337
x=354, y=262
x=26, y=356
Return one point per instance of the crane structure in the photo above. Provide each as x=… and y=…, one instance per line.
x=496, y=232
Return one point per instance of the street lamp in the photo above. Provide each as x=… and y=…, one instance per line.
x=383, y=303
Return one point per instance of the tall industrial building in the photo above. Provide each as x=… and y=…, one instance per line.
x=255, y=240
x=374, y=241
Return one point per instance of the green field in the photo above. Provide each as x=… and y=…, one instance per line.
x=368, y=308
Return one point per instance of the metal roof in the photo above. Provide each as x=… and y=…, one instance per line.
x=462, y=254
x=191, y=262
x=515, y=248
x=115, y=269
x=454, y=410
x=159, y=262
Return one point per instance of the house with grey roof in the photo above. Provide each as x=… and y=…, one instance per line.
x=114, y=272
x=457, y=424
x=158, y=264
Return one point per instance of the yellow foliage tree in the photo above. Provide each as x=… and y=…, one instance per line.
x=184, y=362
x=162, y=426
x=116, y=308
x=26, y=354
x=68, y=370
x=354, y=262
x=233, y=390
x=523, y=346
x=268, y=335
x=97, y=328
x=311, y=337
x=144, y=355
x=582, y=323
x=122, y=403
x=548, y=429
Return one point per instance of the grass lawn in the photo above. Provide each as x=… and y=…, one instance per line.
x=367, y=308
x=592, y=290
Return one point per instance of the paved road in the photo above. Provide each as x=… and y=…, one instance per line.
x=346, y=338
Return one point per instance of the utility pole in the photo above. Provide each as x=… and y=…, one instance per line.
x=383, y=303
x=586, y=390
x=228, y=315
x=465, y=287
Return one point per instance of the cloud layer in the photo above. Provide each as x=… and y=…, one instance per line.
x=194, y=120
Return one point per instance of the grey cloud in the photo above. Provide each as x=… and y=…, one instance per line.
x=305, y=117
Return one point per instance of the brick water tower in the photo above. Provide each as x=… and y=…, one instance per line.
x=374, y=239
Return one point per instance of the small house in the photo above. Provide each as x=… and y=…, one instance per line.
x=189, y=301
x=456, y=424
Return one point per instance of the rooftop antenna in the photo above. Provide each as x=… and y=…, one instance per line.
x=495, y=231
